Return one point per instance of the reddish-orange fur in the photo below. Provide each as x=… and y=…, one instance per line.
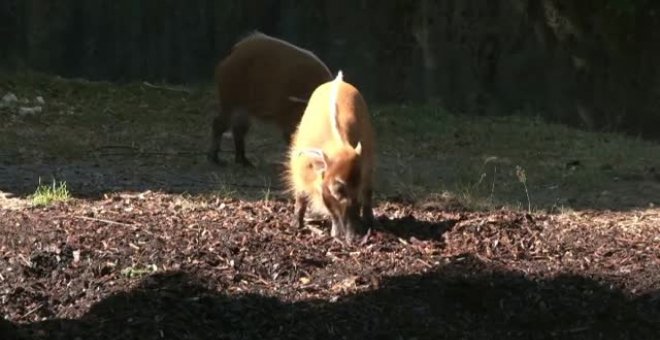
x=265, y=78
x=331, y=159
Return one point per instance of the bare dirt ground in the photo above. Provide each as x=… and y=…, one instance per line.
x=158, y=244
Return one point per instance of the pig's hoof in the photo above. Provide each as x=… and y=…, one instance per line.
x=334, y=232
x=365, y=238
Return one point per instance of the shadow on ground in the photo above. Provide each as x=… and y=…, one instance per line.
x=462, y=299
x=189, y=174
x=192, y=174
x=409, y=227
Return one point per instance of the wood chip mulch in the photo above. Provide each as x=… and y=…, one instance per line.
x=153, y=266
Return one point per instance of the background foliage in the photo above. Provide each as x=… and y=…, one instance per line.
x=588, y=63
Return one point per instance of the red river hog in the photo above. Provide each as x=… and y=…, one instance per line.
x=265, y=78
x=331, y=160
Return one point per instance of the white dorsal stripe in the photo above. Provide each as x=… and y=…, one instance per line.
x=257, y=33
x=333, y=105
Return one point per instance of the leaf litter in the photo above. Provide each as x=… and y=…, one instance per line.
x=148, y=266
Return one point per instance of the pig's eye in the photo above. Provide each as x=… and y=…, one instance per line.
x=338, y=190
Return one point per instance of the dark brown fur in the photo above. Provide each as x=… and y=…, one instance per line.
x=264, y=78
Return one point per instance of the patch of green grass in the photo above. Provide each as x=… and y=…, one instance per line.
x=81, y=117
x=481, y=161
x=136, y=272
x=48, y=194
x=423, y=151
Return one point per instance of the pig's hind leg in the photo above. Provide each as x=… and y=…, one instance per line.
x=219, y=126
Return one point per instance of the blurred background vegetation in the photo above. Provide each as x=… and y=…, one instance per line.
x=584, y=63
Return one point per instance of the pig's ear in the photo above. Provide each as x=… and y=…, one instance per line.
x=358, y=148
x=318, y=157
